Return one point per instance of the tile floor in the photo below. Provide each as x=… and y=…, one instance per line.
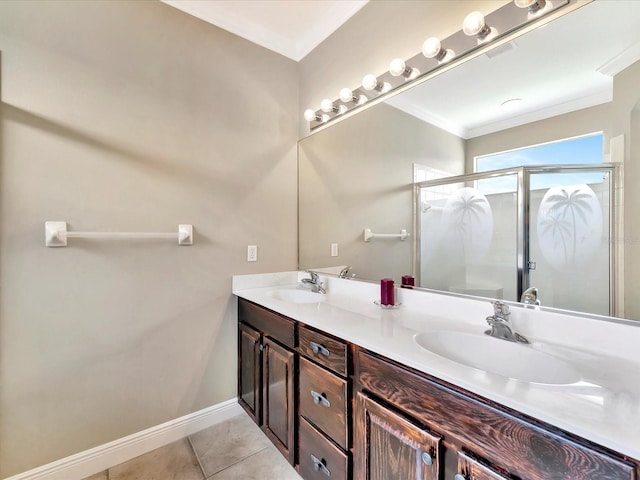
x=235, y=449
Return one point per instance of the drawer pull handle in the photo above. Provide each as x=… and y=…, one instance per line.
x=320, y=465
x=459, y=476
x=427, y=460
x=320, y=399
x=319, y=349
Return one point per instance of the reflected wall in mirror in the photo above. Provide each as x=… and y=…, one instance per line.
x=359, y=173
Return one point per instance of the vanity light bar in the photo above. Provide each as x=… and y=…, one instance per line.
x=477, y=32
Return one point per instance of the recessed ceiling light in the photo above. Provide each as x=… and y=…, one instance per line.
x=511, y=103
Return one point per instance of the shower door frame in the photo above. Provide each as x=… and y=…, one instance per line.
x=523, y=206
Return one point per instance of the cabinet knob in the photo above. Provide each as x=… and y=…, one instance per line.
x=319, y=349
x=426, y=459
x=459, y=476
x=320, y=399
x=320, y=465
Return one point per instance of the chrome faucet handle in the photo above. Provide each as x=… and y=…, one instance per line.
x=344, y=272
x=500, y=310
x=501, y=326
x=314, y=276
x=530, y=296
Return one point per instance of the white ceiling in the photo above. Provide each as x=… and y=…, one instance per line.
x=289, y=27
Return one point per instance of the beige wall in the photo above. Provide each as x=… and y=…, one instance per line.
x=631, y=236
x=624, y=120
x=130, y=116
x=381, y=31
x=580, y=122
x=358, y=174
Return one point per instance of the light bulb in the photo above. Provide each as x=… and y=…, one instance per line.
x=346, y=95
x=473, y=24
x=532, y=5
x=326, y=105
x=535, y=7
x=431, y=47
x=397, y=67
x=369, y=82
x=310, y=115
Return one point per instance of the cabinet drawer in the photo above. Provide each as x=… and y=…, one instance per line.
x=270, y=323
x=323, y=401
x=471, y=469
x=319, y=458
x=503, y=438
x=330, y=352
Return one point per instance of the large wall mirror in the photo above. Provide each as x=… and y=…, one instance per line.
x=578, y=75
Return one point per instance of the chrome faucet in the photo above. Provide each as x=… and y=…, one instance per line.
x=344, y=273
x=501, y=325
x=313, y=283
x=530, y=296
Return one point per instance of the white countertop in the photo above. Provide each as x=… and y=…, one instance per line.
x=603, y=407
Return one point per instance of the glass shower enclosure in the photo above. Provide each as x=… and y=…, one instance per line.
x=495, y=234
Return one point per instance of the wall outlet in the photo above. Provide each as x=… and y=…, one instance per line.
x=334, y=249
x=252, y=253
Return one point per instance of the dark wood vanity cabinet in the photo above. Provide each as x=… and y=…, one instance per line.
x=478, y=440
x=362, y=416
x=266, y=373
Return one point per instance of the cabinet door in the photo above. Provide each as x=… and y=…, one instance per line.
x=249, y=386
x=278, y=411
x=471, y=469
x=390, y=446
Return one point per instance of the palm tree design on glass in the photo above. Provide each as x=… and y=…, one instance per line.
x=570, y=218
x=558, y=228
x=469, y=221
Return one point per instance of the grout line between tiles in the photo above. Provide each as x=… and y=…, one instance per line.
x=195, y=454
x=235, y=463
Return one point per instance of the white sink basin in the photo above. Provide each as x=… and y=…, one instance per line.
x=513, y=360
x=295, y=295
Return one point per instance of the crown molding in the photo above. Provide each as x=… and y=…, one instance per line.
x=618, y=63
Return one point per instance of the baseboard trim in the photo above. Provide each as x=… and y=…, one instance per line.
x=100, y=458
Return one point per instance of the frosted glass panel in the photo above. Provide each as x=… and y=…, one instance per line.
x=468, y=239
x=476, y=237
x=569, y=240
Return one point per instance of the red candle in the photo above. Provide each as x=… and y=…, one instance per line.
x=408, y=281
x=386, y=292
